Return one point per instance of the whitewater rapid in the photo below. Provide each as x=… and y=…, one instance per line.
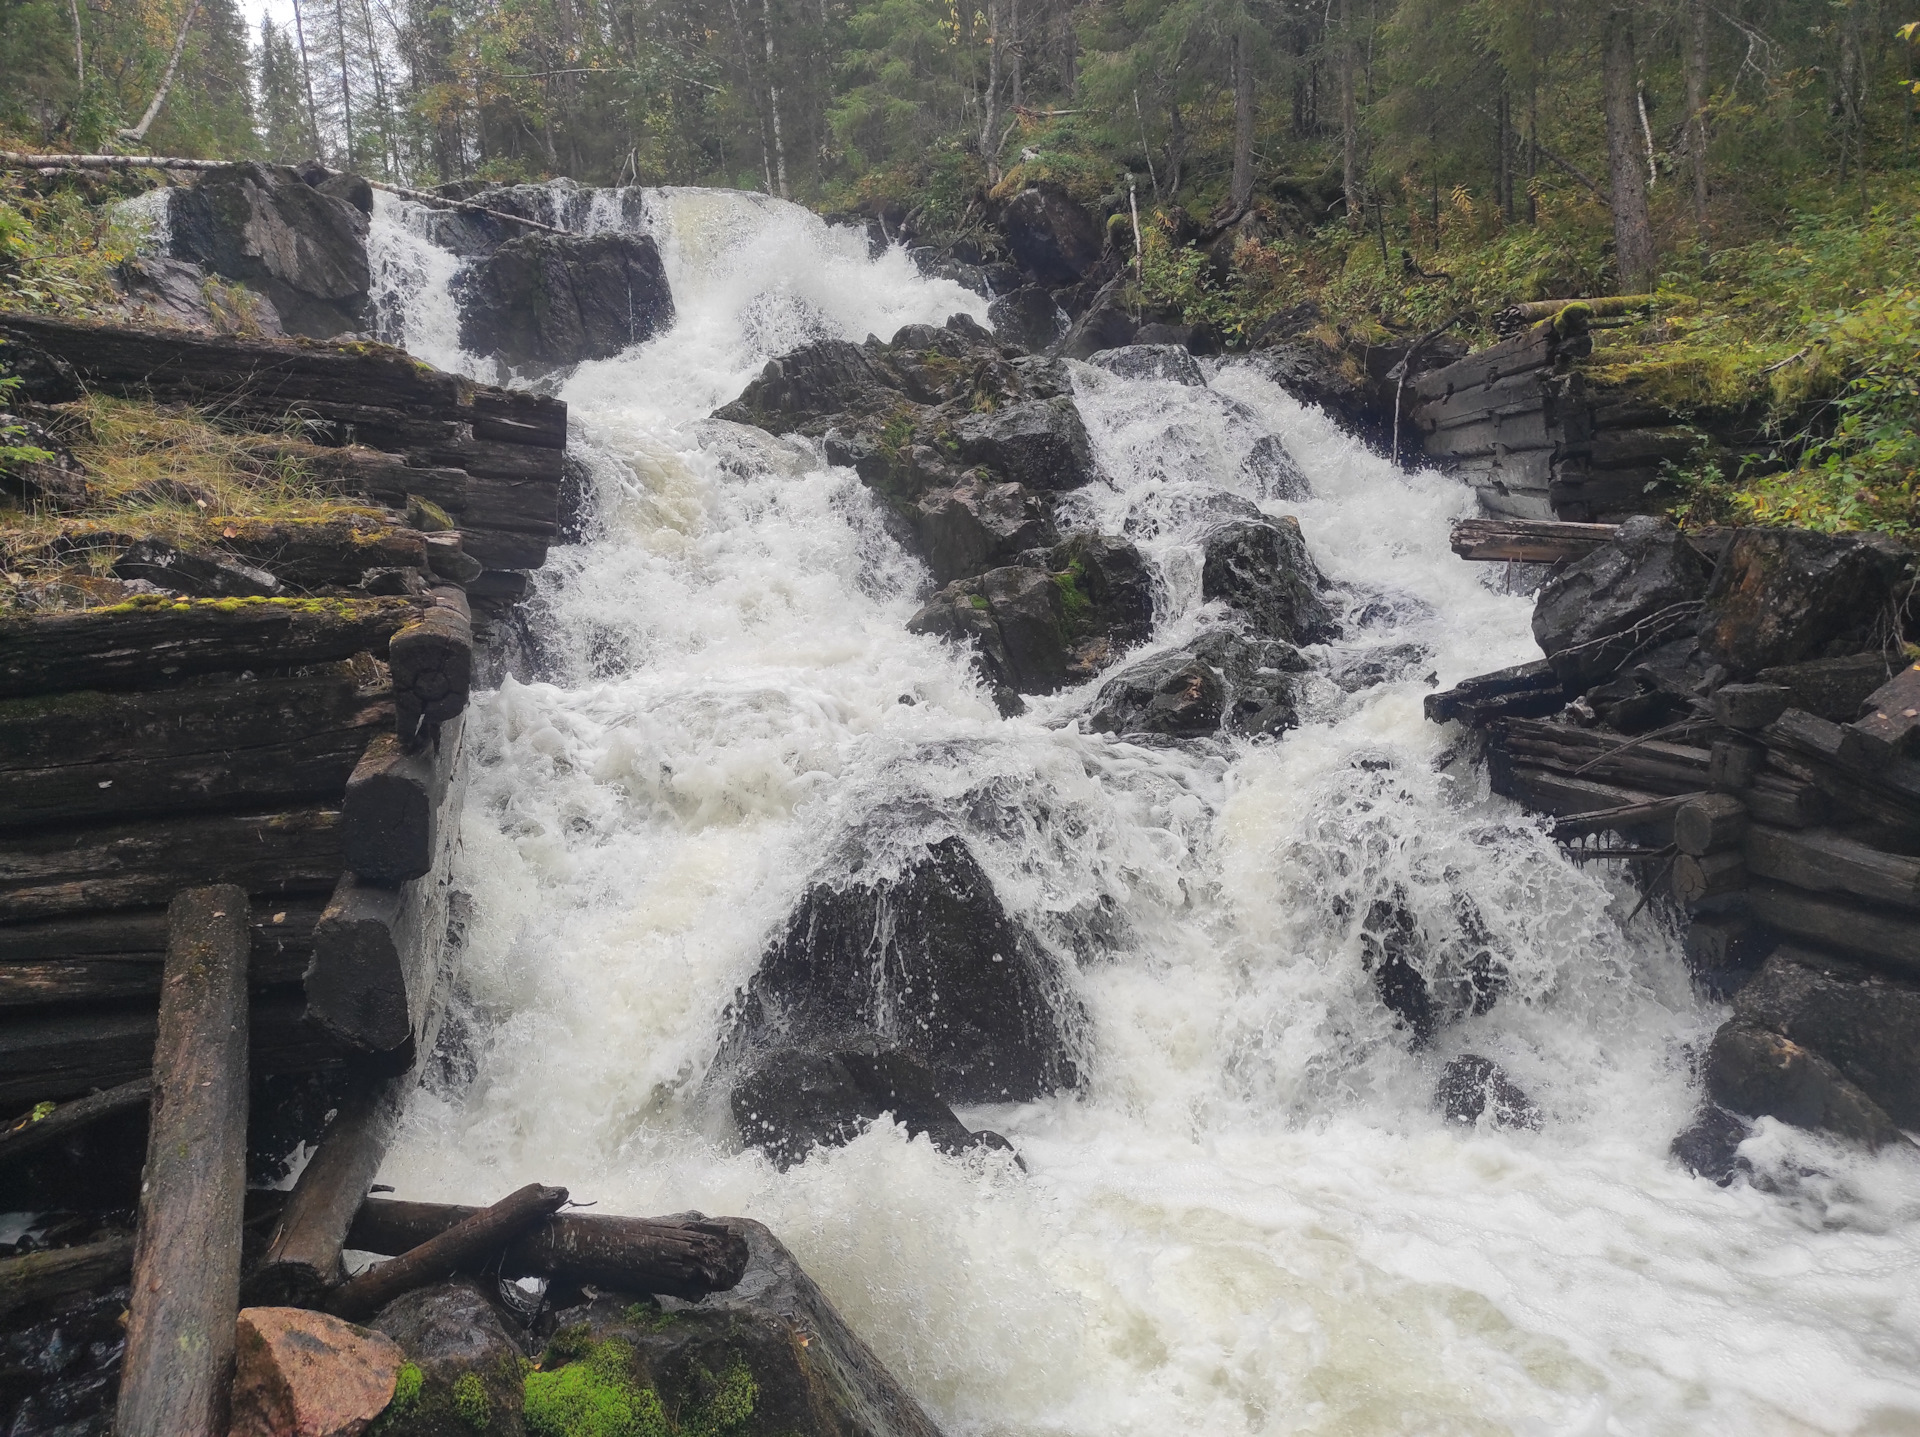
x=1250, y=1219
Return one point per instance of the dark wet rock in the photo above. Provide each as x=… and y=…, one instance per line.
x=1272, y=472
x=1755, y=1071
x=549, y=300
x=1052, y=237
x=1780, y=596
x=60, y=1376
x=792, y=1100
x=1833, y=689
x=1317, y=375
x=925, y=960
x=1619, y=602
x=173, y=292
x=462, y=1376
x=1151, y=361
x=54, y=480
x=1263, y=571
x=45, y=378
x=1107, y=325
x=934, y=264
x=813, y=382
x=1388, y=663
x=1709, y=1146
x=1867, y=1024
x=979, y=525
x=1027, y=317
x=1430, y=977
x=264, y=227
x=1202, y=339
x=1176, y=507
x=1472, y=1087
x=768, y=1358
x=1221, y=682
x=1041, y=443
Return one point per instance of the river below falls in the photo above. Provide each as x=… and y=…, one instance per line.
x=1250, y=1218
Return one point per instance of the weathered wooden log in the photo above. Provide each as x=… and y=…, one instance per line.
x=302, y=1260
x=1532, y=683
x=1890, y=727
x=1547, y=790
x=1713, y=875
x=46, y=1058
x=44, y=875
x=1655, y=814
x=186, y=1264
x=1733, y=764
x=30, y=1133
x=390, y=817
x=1829, y=862
x=469, y=1242
x=1649, y=764
x=1538, y=347
x=1527, y=541
x=1531, y=312
x=96, y=958
x=1750, y=706
x=324, y=729
x=52, y=1279
x=1785, y=802
x=151, y=641
x=1834, y=689
x=674, y=1256
x=1716, y=942
x=1883, y=937
x=1709, y=823
x=431, y=661
x=1811, y=748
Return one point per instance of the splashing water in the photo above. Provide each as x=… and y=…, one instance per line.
x=1250, y=1219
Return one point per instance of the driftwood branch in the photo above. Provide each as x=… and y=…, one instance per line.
x=475, y=1239
x=29, y=1134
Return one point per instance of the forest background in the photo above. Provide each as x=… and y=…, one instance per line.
x=1389, y=164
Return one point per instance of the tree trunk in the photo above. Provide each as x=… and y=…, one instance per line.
x=346, y=80
x=1700, y=13
x=1632, y=225
x=1349, y=121
x=79, y=53
x=139, y=131
x=390, y=153
x=990, y=107
x=306, y=75
x=773, y=104
x=1015, y=81
x=1242, y=188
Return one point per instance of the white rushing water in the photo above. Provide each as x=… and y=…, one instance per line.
x=1250, y=1219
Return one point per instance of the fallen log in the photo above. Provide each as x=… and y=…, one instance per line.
x=1546, y=790
x=1527, y=541
x=686, y=1258
x=186, y=1261
x=1655, y=813
x=1643, y=763
x=153, y=641
x=1889, y=729
x=431, y=661
x=1524, y=690
x=1785, y=802
x=1533, y=311
x=1828, y=862
x=1882, y=937
x=1709, y=823
x=302, y=1260
x=1810, y=748
x=47, y=874
x=470, y=1242
x=1834, y=689
x=390, y=817
x=51, y=1279
x=1699, y=878
x=30, y=1133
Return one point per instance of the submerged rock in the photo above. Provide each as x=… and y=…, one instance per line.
x=548, y=299
x=1472, y=1087
x=770, y=1358
x=462, y=1374
x=1271, y=471
x=1756, y=1071
x=1619, y=602
x=925, y=960
x=1221, y=682
x=1709, y=1147
x=1263, y=570
x=304, y=248
x=1780, y=596
x=1167, y=362
x=792, y=1100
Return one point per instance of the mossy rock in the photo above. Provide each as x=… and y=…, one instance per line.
x=463, y=1374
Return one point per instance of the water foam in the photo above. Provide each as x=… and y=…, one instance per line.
x=1250, y=1220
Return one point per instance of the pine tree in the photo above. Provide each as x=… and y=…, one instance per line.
x=286, y=132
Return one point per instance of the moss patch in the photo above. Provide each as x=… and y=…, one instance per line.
x=594, y=1391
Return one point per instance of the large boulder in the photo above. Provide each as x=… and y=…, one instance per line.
x=1107, y=325
x=925, y=960
x=304, y=248
x=306, y=1374
x=1619, y=601
x=978, y=525
x=550, y=300
x=1040, y=443
x=815, y=381
x=1783, y=595
x=1866, y=1024
x=1052, y=236
x=1221, y=682
x=1756, y=1071
x=462, y=1374
x=791, y=1100
x=1027, y=317
x=1261, y=569
x=1054, y=619
x=768, y=1358
x=156, y=290
x=1166, y=362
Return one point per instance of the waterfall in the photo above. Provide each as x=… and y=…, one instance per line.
x=1250, y=1218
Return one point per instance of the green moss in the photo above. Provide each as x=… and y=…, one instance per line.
x=1071, y=582
x=406, y=1397
x=979, y=601
x=471, y=1403
x=594, y=1397
x=728, y=1408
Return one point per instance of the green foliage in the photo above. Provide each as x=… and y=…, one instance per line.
x=12, y=453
